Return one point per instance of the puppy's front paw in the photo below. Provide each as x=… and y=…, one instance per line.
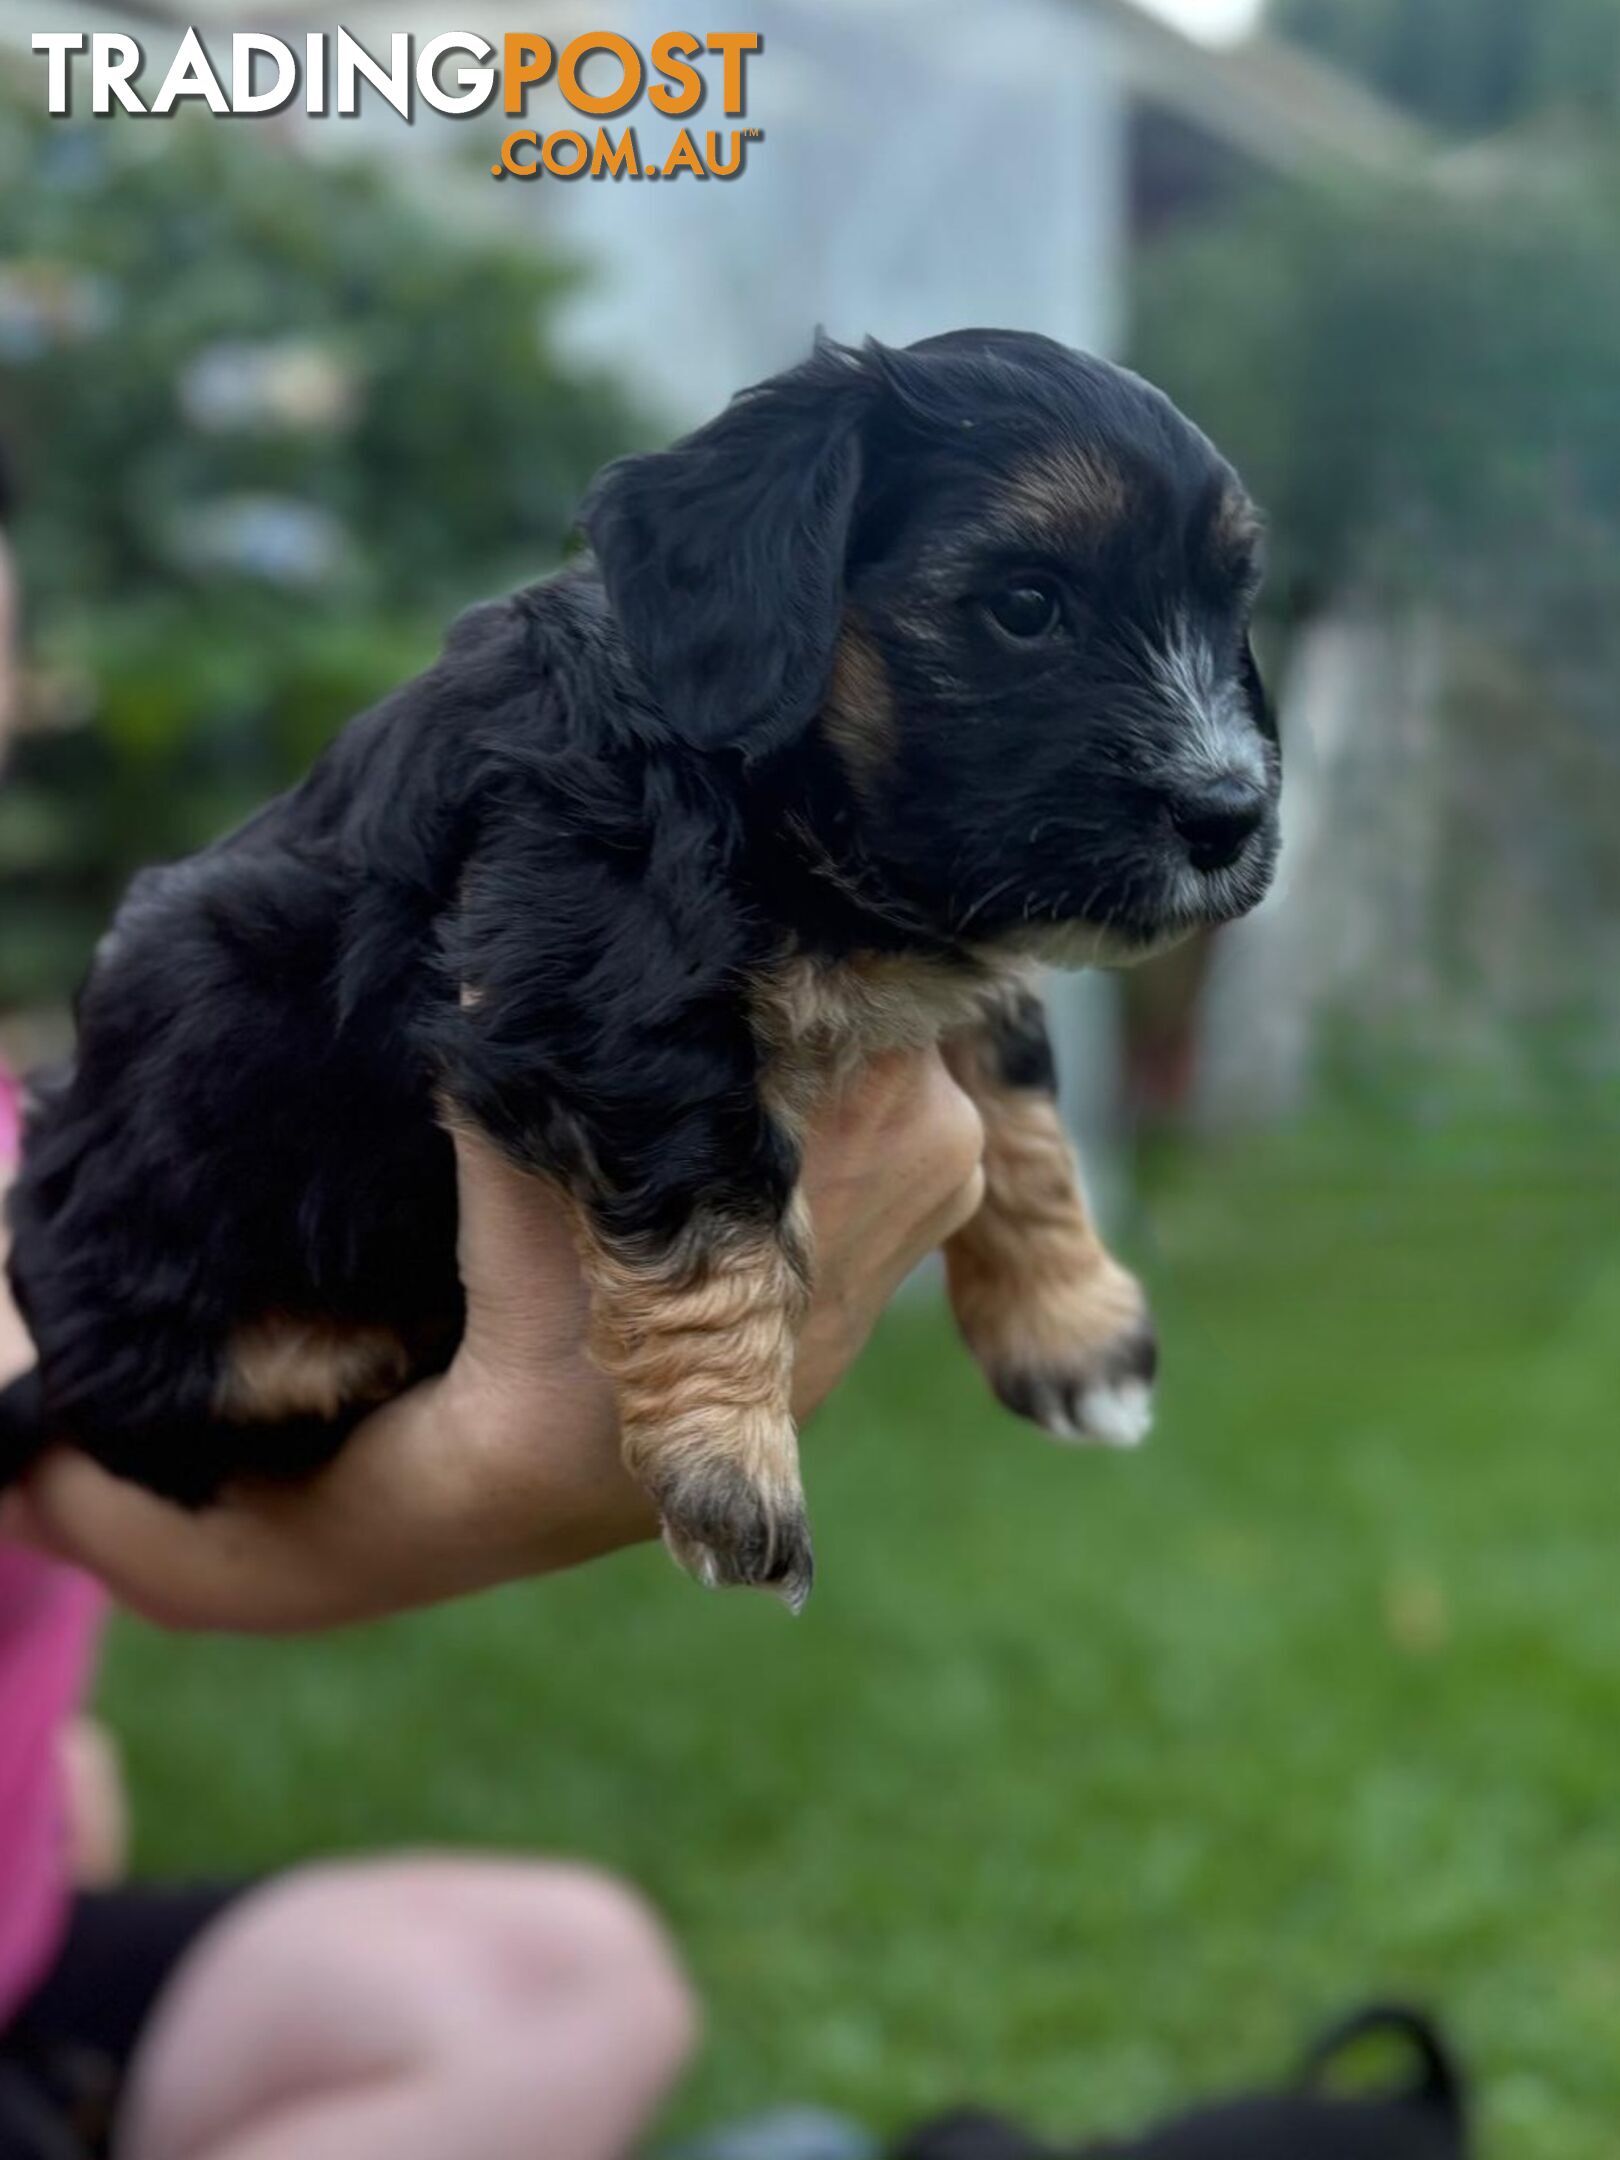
x=733, y=1510
x=1078, y=1358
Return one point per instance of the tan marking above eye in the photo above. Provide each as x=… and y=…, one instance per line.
x=1069, y=492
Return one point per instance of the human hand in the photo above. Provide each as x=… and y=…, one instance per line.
x=508, y=1464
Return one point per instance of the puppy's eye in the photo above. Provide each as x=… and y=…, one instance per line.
x=1026, y=610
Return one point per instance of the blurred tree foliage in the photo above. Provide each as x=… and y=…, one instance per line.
x=1420, y=385
x=1470, y=66
x=270, y=427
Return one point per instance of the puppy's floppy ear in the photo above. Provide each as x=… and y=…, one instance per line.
x=723, y=557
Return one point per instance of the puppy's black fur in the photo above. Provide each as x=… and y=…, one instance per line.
x=929, y=659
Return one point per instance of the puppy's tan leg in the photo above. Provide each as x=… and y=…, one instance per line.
x=700, y=1343
x=1061, y=1329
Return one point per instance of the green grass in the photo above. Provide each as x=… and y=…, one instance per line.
x=1085, y=1783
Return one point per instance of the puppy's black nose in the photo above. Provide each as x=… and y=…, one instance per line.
x=1217, y=818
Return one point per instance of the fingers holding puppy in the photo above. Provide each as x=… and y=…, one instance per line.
x=893, y=1167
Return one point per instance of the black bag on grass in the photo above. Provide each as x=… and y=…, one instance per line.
x=1424, y=2117
x=56, y=2100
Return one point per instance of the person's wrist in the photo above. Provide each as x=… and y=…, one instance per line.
x=831, y=1340
x=538, y=1471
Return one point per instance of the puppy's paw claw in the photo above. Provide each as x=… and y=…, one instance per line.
x=1077, y=1358
x=728, y=1530
x=1104, y=1398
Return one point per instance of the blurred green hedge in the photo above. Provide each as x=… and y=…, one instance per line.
x=1418, y=379
x=270, y=426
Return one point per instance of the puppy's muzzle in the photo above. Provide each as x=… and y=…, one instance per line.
x=1215, y=819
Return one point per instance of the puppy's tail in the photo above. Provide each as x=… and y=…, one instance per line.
x=1438, y=2085
x=22, y=1426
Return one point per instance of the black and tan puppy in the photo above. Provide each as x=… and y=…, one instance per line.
x=910, y=672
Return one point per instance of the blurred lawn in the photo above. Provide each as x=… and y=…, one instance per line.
x=1085, y=1782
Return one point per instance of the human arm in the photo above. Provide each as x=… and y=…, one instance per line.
x=508, y=1465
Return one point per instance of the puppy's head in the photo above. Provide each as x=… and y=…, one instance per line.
x=1008, y=588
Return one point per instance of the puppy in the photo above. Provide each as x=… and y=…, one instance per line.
x=913, y=671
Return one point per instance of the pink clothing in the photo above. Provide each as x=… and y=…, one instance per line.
x=10, y=1119
x=48, y=1616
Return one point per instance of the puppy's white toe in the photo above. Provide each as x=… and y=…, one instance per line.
x=1118, y=1413
x=1104, y=1399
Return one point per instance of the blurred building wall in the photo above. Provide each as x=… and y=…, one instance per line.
x=1347, y=925
x=924, y=166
